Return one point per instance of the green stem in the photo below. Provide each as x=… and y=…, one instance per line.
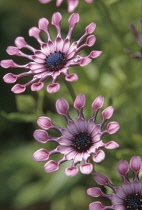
x=70, y=89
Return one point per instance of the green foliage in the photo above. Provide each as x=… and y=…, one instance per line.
x=115, y=75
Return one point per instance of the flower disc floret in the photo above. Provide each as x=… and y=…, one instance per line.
x=80, y=140
x=53, y=58
x=72, y=4
x=129, y=196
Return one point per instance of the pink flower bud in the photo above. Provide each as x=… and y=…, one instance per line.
x=79, y=101
x=62, y=106
x=98, y=103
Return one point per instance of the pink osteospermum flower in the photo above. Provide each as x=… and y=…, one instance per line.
x=138, y=37
x=72, y=4
x=79, y=140
x=129, y=196
x=53, y=58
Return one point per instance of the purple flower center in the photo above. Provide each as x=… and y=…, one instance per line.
x=55, y=61
x=82, y=142
x=133, y=202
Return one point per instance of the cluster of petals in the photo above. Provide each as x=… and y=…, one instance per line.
x=39, y=66
x=129, y=196
x=138, y=38
x=80, y=140
x=72, y=4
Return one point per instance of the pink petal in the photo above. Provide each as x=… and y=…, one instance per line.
x=72, y=171
x=119, y=207
x=94, y=192
x=51, y=166
x=79, y=101
x=108, y=112
x=36, y=67
x=90, y=40
x=44, y=1
x=86, y=168
x=71, y=77
x=67, y=133
x=78, y=158
x=65, y=142
x=37, y=86
x=120, y=193
x=96, y=130
x=34, y=32
x=90, y=28
x=44, y=122
x=38, y=59
x=73, y=19
x=72, y=4
x=100, y=156
x=62, y=106
x=98, y=103
x=96, y=206
x=58, y=2
x=53, y=88
x=85, y=61
x=41, y=136
x=18, y=88
x=101, y=179
x=7, y=63
x=66, y=45
x=111, y=145
x=43, y=24
x=13, y=51
x=46, y=49
x=137, y=186
x=41, y=155
x=64, y=149
x=51, y=47
x=113, y=127
x=10, y=78
x=40, y=54
x=89, y=1
x=56, y=18
x=128, y=188
x=95, y=54
x=71, y=155
x=116, y=199
x=81, y=124
x=59, y=44
x=20, y=42
x=72, y=127
x=136, y=163
x=90, y=125
x=123, y=167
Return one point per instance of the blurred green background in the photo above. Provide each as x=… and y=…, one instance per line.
x=23, y=183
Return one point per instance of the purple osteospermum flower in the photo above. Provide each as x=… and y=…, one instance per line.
x=53, y=58
x=72, y=4
x=138, y=38
x=81, y=138
x=129, y=196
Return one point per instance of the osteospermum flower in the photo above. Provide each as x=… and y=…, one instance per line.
x=53, y=58
x=138, y=38
x=72, y=4
x=79, y=140
x=129, y=196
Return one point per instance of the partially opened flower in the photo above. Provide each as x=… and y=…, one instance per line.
x=138, y=37
x=72, y=4
x=127, y=197
x=80, y=140
x=53, y=58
